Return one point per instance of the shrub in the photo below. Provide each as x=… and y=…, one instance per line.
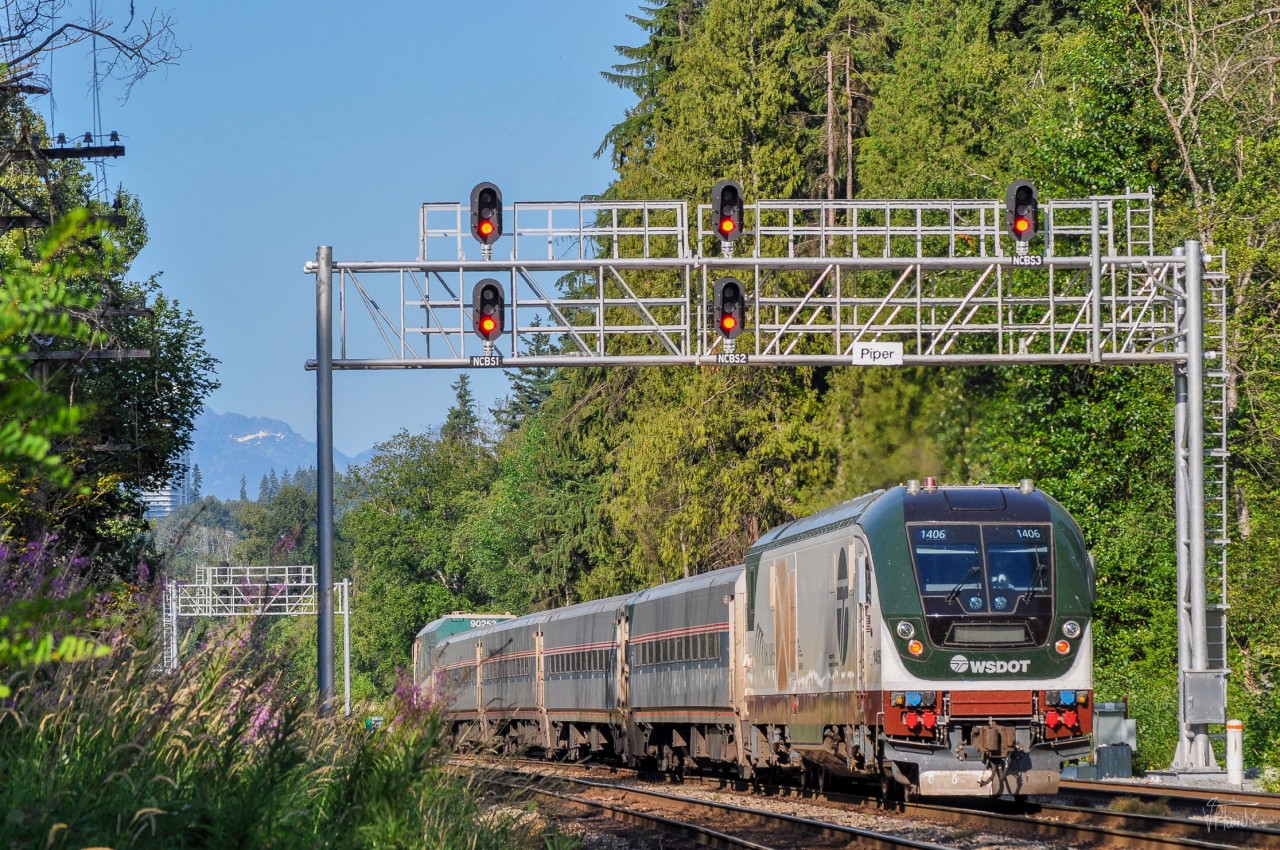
x=110, y=752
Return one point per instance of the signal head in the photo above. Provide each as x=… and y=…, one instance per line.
x=726, y=209
x=486, y=213
x=488, y=303
x=729, y=305
x=1022, y=210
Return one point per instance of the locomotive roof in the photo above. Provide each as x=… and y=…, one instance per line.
x=845, y=513
x=439, y=623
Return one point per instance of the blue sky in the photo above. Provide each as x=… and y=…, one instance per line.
x=286, y=126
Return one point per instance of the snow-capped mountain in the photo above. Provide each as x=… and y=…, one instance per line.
x=231, y=445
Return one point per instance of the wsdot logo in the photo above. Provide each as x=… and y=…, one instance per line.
x=960, y=664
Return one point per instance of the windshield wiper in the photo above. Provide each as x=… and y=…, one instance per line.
x=1041, y=568
x=955, y=591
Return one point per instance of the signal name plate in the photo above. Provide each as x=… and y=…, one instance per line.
x=486, y=360
x=877, y=354
x=731, y=359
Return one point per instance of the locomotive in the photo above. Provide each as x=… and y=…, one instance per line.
x=935, y=639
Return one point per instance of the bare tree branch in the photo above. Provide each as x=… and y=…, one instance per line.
x=34, y=31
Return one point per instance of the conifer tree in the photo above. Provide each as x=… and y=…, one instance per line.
x=529, y=387
x=462, y=425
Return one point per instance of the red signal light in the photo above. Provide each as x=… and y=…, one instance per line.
x=486, y=214
x=728, y=323
x=726, y=209
x=487, y=304
x=1021, y=224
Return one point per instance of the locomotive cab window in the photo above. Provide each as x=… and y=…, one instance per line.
x=984, y=584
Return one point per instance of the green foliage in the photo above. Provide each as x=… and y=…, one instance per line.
x=37, y=306
x=25, y=642
x=953, y=100
x=744, y=445
x=280, y=530
x=222, y=754
x=669, y=25
x=59, y=467
x=462, y=423
x=410, y=561
x=944, y=123
x=203, y=532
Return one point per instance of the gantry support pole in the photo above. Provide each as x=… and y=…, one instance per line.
x=324, y=466
x=1194, y=750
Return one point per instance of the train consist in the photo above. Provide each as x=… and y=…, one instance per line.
x=936, y=639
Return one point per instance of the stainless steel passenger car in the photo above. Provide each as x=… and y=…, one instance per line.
x=507, y=694
x=582, y=677
x=681, y=697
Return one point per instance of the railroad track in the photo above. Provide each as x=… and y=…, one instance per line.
x=1250, y=808
x=711, y=823
x=1172, y=822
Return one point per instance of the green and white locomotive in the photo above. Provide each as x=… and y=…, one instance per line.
x=938, y=637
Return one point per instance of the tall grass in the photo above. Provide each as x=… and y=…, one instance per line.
x=108, y=752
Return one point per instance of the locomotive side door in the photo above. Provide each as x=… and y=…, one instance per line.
x=865, y=650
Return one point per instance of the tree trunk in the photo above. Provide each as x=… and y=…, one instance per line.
x=831, y=139
x=849, y=189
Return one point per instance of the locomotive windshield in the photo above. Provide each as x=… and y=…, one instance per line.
x=984, y=584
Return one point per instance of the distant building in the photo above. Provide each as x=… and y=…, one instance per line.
x=172, y=496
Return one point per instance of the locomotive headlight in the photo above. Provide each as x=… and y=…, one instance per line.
x=1071, y=629
x=905, y=630
x=1063, y=647
x=915, y=647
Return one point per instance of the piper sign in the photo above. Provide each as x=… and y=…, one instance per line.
x=877, y=354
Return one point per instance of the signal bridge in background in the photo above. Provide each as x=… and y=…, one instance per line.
x=814, y=283
x=224, y=591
